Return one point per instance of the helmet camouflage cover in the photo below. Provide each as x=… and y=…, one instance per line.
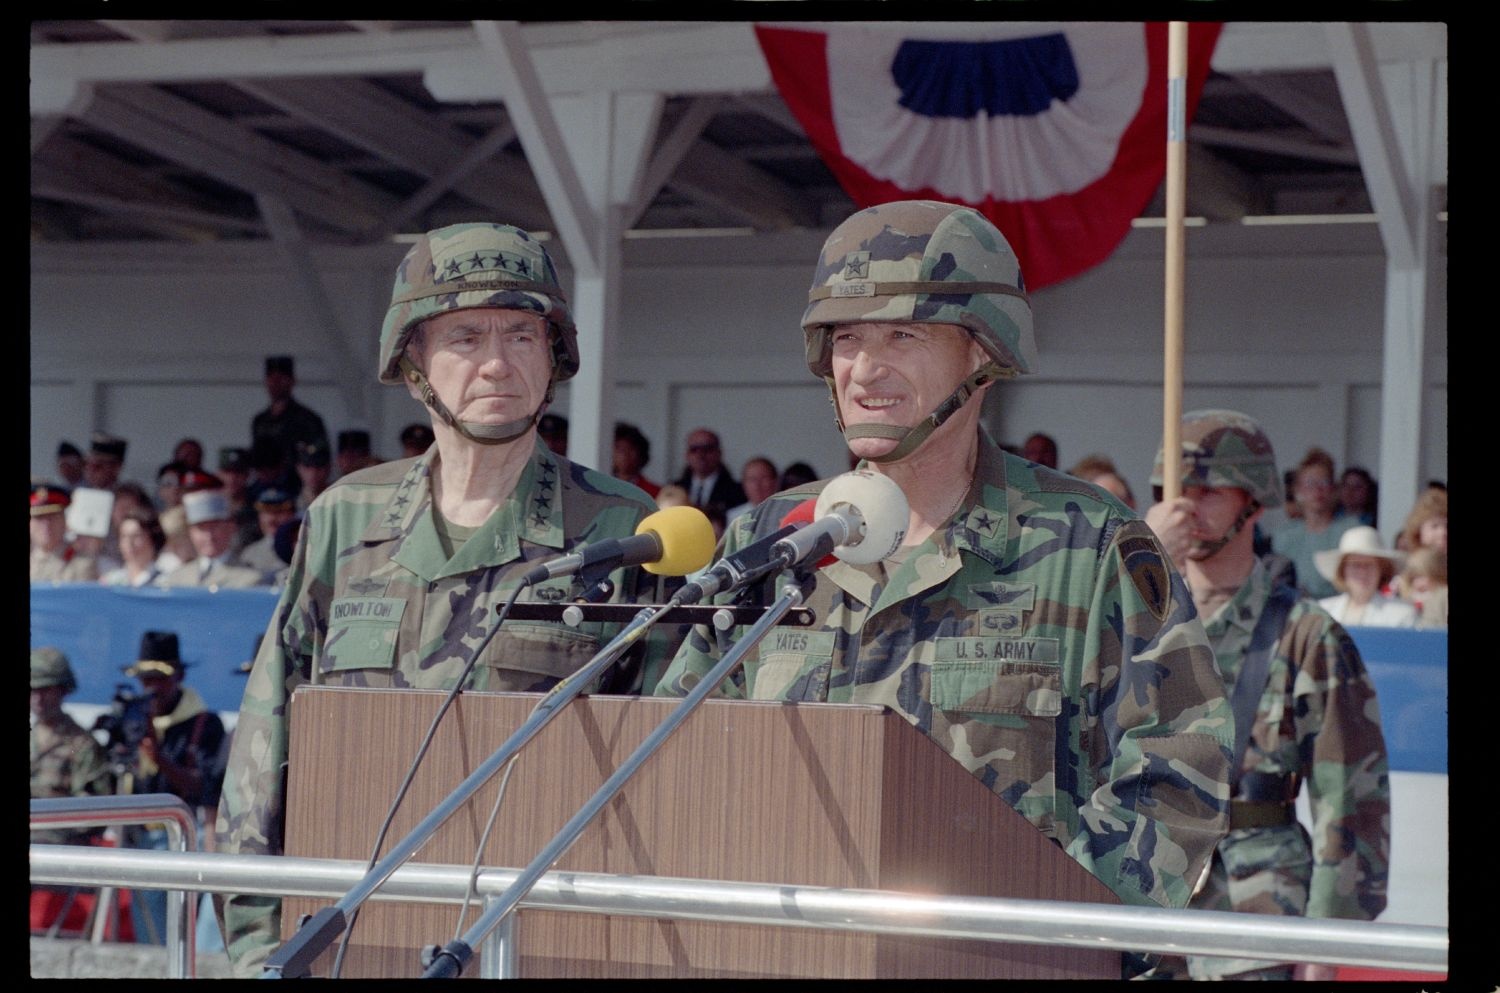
x=49, y=667
x=464, y=266
x=921, y=261
x=1226, y=448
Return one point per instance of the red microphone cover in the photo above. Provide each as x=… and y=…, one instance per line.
x=803, y=514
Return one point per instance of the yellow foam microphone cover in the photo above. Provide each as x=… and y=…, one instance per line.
x=687, y=540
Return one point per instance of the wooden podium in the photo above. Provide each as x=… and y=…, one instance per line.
x=803, y=794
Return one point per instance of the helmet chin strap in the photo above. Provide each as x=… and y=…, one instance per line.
x=483, y=434
x=1213, y=547
x=908, y=438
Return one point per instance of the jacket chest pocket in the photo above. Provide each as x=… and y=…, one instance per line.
x=527, y=656
x=997, y=676
x=792, y=664
x=362, y=633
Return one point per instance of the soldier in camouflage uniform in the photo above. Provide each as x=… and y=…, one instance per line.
x=65, y=759
x=1030, y=624
x=1315, y=717
x=400, y=568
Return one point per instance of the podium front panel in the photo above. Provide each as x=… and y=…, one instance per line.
x=799, y=794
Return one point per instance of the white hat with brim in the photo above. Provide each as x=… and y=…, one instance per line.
x=1361, y=540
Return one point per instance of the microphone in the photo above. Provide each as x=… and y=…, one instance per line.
x=733, y=571
x=671, y=542
x=860, y=517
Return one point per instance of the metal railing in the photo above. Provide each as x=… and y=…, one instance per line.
x=144, y=808
x=1037, y=922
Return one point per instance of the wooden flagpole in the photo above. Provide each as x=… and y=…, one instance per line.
x=1176, y=210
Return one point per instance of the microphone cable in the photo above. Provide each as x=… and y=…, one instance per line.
x=411, y=773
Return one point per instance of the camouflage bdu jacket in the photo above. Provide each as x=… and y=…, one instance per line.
x=1317, y=721
x=371, y=600
x=1044, y=642
x=71, y=763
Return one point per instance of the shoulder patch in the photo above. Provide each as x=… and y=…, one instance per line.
x=1147, y=571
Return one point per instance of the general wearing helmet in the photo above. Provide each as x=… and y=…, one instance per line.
x=921, y=261
x=49, y=667
x=1229, y=449
x=467, y=266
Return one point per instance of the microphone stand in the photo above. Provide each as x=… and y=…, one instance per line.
x=448, y=962
x=295, y=957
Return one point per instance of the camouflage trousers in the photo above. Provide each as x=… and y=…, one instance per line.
x=1254, y=871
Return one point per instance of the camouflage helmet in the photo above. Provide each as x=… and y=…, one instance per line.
x=921, y=261
x=49, y=667
x=463, y=266
x=1226, y=448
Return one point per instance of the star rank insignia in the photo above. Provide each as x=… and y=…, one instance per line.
x=857, y=265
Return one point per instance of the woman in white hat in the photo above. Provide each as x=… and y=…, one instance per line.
x=1359, y=567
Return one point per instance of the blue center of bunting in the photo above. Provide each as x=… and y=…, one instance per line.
x=960, y=78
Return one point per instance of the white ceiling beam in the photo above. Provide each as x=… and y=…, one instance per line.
x=709, y=173
x=303, y=270
x=79, y=165
x=772, y=108
x=521, y=214
x=672, y=57
x=182, y=132
x=368, y=117
x=204, y=222
x=669, y=154
x=1274, y=143
x=1250, y=46
x=577, y=222
x=666, y=57
x=1369, y=112
x=1324, y=119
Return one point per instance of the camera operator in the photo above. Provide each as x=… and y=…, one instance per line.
x=179, y=752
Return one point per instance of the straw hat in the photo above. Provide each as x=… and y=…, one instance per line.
x=1361, y=540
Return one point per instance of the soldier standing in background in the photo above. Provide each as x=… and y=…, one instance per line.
x=65, y=759
x=1304, y=707
x=1024, y=607
x=422, y=551
x=285, y=422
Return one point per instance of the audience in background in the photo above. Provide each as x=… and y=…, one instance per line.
x=52, y=556
x=354, y=452
x=553, y=430
x=69, y=464
x=1359, y=568
x=169, y=485
x=671, y=495
x=631, y=455
x=1316, y=529
x=273, y=508
x=797, y=474
x=179, y=547
x=1359, y=496
x=101, y=469
x=141, y=543
x=705, y=478
x=1424, y=582
x=1427, y=524
x=415, y=440
x=758, y=478
x=1100, y=470
x=315, y=471
x=1041, y=449
x=189, y=452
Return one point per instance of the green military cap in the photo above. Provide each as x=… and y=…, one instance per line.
x=49, y=667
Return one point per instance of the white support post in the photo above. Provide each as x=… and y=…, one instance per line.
x=1392, y=109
